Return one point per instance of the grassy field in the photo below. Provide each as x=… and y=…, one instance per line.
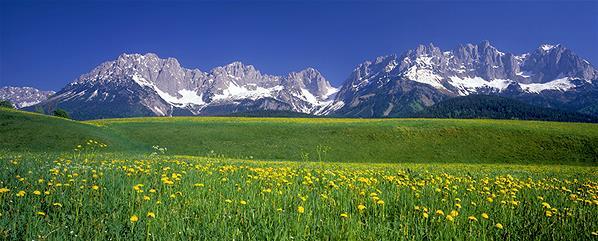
x=88, y=196
x=315, y=139
x=233, y=178
x=367, y=140
x=31, y=132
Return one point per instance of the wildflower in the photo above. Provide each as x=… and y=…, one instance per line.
x=454, y=213
x=472, y=218
x=134, y=219
x=279, y=209
x=344, y=215
x=439, y=213
x=36, y=192
x=498, y=225
x=360, y=207
x=489, y=199
x=152, y=190
x=300, y=209
x=450, y=218
x=458, y=205
x=21, y=194
x=151, y=215
x=41, y=213
x=3, y=190
x=57, y=204
x=548, y=213
x=426, y=215
x=380, y=202
x=546, y=205
x=146, y=198
x=485, y=216
x=243, y=202
x=199, y=185
x=95, y=187
x=228, y=201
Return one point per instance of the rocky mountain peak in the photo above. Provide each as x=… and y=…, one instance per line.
x=23, y=96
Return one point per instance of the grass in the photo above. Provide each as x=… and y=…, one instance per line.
x=32, y=132
x=314, y=139
x=443, y=179
x=95, y=197
x=367, y=140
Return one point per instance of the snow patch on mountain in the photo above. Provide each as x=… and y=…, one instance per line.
x=468, y=85
x=562, y=84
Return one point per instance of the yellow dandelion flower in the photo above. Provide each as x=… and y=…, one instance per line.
x=360, y=207
x=279, y=209
x=228, y=201
x=498, y=225
x=426, y=215
x=439, y=213
x=485, y=216
x=450, y=218
x=95, y=187
x=243, y=202
x=380, y=202
x=151, y=215
x=199, y=185
x=36, y=192
x=146, y=198
x=548, y=213
x=134, y=218
x=41, y=213
x=300, y=209
x=472, y=218
x=21, y=194
x=3, y=190
x=454, y=213
x=489, y=199
x=57, y=205
x=344, y=215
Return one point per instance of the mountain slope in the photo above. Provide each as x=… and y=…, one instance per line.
x=23, y=96
x=496, y=107
x=146, y=85
x=550, y=76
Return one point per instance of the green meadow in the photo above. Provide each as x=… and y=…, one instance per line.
x=234, y=178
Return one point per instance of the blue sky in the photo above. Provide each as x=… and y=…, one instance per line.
x=48, y=44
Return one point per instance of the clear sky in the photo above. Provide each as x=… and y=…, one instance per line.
x=50, y=43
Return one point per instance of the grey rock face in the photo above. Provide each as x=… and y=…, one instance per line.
x=146, y=85
x=400, y=85
x=23, y=96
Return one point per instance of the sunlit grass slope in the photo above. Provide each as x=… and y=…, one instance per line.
x=366, y=140
x=25, y=131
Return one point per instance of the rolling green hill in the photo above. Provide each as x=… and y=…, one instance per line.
x=314, y=139
x=26, y=131
x=367, y=140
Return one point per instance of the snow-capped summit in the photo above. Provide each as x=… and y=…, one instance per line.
x=146, y=85
x=401, y=85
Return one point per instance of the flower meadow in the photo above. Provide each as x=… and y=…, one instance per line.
x=97, y=196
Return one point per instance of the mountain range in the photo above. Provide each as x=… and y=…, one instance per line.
x=389, y=86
